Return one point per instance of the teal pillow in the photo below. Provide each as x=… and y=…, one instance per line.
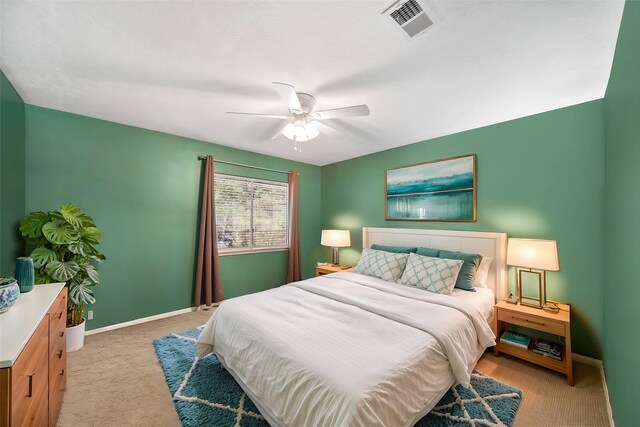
x=433, y=253
x=467, y=276
x=394, y=249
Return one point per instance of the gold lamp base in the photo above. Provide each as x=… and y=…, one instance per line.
x=535, y=302
x=541, y=301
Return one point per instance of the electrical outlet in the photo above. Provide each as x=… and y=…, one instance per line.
x=90, y=315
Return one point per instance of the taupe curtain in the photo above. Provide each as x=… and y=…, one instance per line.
x=208, y=286
x=293, y=274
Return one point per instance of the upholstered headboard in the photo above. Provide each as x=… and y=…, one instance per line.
x=486, y=244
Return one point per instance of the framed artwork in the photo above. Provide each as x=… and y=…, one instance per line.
x=441, y=190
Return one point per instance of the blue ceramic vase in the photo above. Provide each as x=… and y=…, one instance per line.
x=9, y=292
x=25, y=275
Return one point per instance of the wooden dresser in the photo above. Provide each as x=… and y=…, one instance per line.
x=33, y=358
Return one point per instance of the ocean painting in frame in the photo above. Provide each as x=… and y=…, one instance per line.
x=442, y=190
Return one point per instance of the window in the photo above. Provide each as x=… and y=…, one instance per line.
x=251, y=214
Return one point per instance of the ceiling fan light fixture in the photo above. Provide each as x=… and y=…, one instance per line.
x=302, y=118
x=300, y=131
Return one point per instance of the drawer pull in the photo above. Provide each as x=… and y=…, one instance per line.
x=60, y=355
x=62, y=372
x=60, y=315
x=529, y=321
x=31, y=385
x=61, y=334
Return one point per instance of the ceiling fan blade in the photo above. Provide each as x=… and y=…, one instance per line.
x=288, y=93
x=266, y=116
x=338, y=113
x=280, y=129
x=326, y=129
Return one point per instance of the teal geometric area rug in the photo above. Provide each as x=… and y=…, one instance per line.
x=205, y=394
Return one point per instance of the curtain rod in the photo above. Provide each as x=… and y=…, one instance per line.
x=244, y=166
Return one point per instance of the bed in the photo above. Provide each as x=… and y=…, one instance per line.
x=349, y=349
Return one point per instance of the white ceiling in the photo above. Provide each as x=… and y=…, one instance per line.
x=178, y=66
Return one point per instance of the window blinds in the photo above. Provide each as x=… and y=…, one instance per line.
x=251, y=213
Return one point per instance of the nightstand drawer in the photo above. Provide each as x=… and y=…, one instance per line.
x=533, y=322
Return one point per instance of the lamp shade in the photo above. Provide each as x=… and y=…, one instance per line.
x=530, y=253
x=336, y=238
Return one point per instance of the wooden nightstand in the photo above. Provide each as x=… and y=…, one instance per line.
x=558, y=324
x=328, y=269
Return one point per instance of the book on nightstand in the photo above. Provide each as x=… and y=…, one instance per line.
x=515, y=339
x=548, y=348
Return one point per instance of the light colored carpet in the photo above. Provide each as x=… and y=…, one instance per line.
x=547, y=400
x=116, y=380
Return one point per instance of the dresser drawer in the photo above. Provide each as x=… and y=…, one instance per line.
x=57, y=355
x=58, y=322
x=30, y=380
x=57, y=385
x=57, y=350
x=57, y=338
x=58, y=312
x=39, y=416
x=60, y=304
x=58, y=365
x=534, y=322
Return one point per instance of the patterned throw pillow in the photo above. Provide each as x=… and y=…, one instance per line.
x=385, y=265
x=432, y=274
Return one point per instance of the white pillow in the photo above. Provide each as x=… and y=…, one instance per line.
x=482, y=272
x=432, y=274
x=385, y=265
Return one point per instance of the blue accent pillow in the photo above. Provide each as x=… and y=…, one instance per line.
x=394, y=249
x=430, y=252
x=467, y=276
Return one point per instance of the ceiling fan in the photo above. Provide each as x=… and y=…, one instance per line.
x=303, y=121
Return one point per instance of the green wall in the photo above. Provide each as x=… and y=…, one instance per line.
x=622, y=230
x=538, y=177
x=12, y=174
x=142, y=188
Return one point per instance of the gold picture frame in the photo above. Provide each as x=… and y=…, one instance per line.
x=443, y=190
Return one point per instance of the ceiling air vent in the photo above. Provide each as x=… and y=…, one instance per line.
x=409, y=16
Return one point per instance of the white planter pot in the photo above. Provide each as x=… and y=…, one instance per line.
x=75, y=337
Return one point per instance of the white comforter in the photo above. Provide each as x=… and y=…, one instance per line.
x=346, y=349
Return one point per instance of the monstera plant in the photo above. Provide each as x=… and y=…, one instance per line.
x=65, y=248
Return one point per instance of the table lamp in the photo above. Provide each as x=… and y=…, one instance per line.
x=336, y=239
x=527, y=255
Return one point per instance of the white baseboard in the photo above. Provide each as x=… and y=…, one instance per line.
x=586, y=360
x=606, y=395
x=598, y=364
x=142, y=320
